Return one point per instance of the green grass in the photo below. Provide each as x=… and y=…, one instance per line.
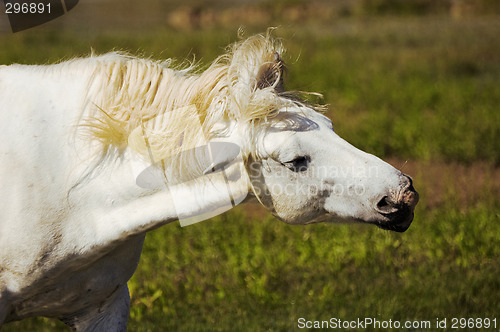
x=426, y=89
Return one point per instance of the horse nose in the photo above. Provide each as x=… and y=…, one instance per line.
x=404, y=195
x=399, y=198
x=397, y=206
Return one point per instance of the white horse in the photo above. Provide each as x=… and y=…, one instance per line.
x=96, y=152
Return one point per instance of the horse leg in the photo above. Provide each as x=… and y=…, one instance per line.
x=4, y=307
x=110, y=316
x=3, y=313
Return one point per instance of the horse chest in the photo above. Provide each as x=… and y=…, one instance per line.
x=78, y=285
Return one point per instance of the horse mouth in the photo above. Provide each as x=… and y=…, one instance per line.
x=398, y=223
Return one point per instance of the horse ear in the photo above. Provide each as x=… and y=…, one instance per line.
x=271, y=74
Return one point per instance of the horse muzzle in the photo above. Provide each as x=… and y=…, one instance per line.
x=397, y=207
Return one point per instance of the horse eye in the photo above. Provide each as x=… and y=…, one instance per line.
x=298, y=164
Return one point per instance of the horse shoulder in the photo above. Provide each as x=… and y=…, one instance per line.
x=35, y=117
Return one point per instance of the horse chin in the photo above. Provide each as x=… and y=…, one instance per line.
x=396, y=225
x=398, y=221
x=391, y=223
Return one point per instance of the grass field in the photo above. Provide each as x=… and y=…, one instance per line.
x=421, y=92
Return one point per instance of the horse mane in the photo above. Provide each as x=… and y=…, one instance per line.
x=160, y=111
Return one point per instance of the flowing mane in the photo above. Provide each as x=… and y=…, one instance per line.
x=159, y=112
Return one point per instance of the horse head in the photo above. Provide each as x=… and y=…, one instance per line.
x=242, y=134
x=299, y=168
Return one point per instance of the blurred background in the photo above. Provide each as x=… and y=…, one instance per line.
x=416, y=82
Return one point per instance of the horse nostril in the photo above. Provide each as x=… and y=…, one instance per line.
x=383, y=202
x=385, y=206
